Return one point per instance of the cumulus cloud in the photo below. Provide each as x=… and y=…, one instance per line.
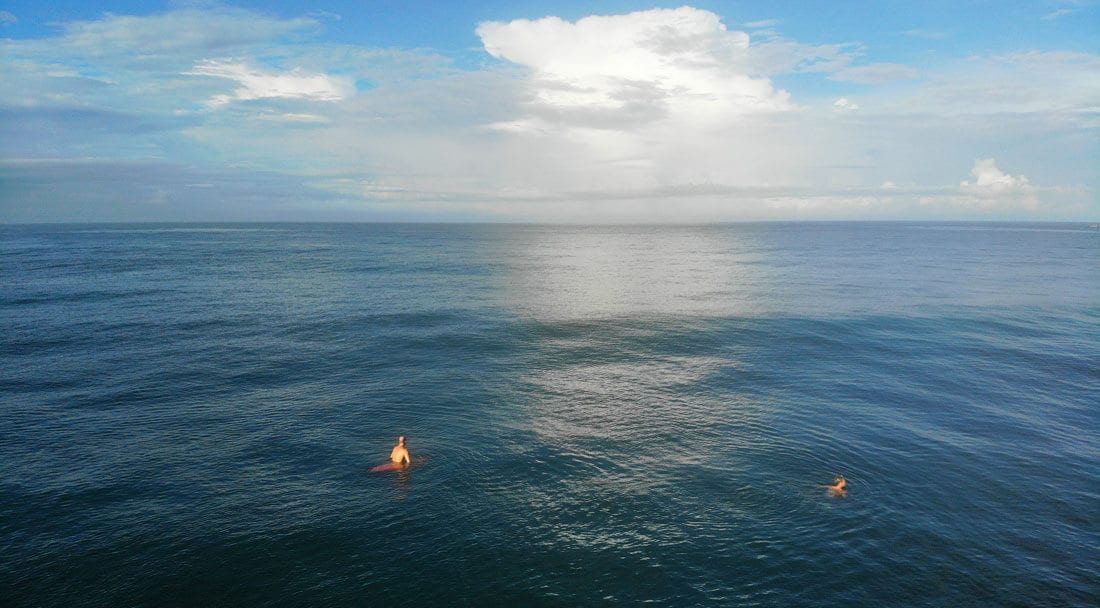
x=259, y=84
x=843, y=105
x=989, y=181
x=6, y=17
x=640, y=100
x=992, y=191
x=623, y=71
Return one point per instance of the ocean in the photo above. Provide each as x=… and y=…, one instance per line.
x=614, y=415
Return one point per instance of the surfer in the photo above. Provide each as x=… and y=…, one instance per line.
x=839, y=487
x=400, y=454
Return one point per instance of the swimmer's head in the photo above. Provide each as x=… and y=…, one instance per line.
x=840, y=481
x=401, y=440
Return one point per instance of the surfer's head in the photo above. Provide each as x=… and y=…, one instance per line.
x=401, y=440
x=840, y=481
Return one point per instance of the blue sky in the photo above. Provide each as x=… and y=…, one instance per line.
x=549, y=111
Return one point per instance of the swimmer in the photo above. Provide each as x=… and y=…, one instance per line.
x=400, y=455
x=839, y=487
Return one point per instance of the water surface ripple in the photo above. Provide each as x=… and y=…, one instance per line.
x=614, y=415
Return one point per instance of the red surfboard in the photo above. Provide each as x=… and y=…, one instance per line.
x=393, y=466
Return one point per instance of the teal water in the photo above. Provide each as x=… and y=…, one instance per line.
x=614, y=415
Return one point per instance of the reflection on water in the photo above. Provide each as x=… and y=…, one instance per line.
x=404, y=483
x=607, y=272
x=588, y=273
x=625, y=401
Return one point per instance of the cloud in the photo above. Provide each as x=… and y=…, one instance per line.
x=775, y=55
x=98, y=189
x=258, y=84
x=71, y=131
x=1038, y=82
x=6, y=17
x=293, y=117
x=623, y=71
x=755, y=25
x=1062, y=12
x=975, y=94
x=989, y=181
x=993, y=191
x=183, y=32
x=843, y=105
x=632, y=101
x=877, y=73
x=661, y=115
x=925, y=34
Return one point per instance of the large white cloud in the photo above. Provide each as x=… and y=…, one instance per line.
x=638, y=101
x=626, y=71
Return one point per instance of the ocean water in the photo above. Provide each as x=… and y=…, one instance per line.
x=614, y=415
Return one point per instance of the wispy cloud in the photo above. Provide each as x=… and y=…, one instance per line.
x=925, y=34
x=775, y=55
x=1068, y=7
x=1058, y=14
x=180, y=33
x=259, y=84
x=294, y=118
x=878, y=73
x=755, y=25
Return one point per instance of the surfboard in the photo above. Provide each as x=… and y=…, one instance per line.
x=393, y=466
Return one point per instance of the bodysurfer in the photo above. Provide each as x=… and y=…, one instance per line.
x=400, y=454
x=839, y=487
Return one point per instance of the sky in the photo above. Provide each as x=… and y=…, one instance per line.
x=525, y=111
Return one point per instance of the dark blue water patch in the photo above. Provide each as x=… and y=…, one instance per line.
x=98, y=297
